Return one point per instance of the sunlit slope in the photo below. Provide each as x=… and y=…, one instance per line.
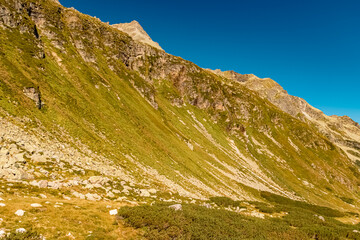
x=162, y=120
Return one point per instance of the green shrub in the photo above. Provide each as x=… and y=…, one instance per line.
x=225, y=202
x=197, y=222
x=347, y=200
x=28, y=235
x=329, y=212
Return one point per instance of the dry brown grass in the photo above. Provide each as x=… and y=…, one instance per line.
x=82, y=218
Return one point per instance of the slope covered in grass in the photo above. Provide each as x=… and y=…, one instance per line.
x=161, y=120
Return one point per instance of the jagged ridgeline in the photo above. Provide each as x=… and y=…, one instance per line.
x=131, y=111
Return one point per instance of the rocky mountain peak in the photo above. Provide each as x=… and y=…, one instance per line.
x=136, y=31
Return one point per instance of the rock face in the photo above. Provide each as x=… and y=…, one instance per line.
x=135, y=30
x=34, y=94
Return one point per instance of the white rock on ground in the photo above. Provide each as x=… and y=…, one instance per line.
x=176, y=207
x=2, y=233
x=20, y=213
x=152, y=191
x=43, y=195
x=78, y=195
x=113, y=212
x=35, y=205
x=144, y=193
x=20, y=230
x=43, y=184
x=2, y=204
x=92, y=197
x=257, y=214
x=110, y=195
x=66, y=197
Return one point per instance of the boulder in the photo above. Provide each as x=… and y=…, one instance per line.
x=144, y=193
x=110, y=194
x=38, y=158
x=99, y=180
x=66, y=197
x=113, y=212
x=20, y=213
x=93, y=197
x=35, y=205
x=176, y=207
x=42, y=184
x=78, y=195
x=20, y=230
x=257, y=214
x=42, y=195
x=152, y=191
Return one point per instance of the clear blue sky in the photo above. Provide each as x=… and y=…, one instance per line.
x=310, y=47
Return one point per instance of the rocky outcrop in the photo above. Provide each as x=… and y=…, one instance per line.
x=35, y=95
x=135, y=30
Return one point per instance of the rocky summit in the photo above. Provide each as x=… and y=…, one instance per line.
x=103, y=135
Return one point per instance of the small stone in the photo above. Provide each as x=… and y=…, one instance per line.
x=144, y=193
x=125, y=191
x=93, y=197
x=42, y=195
x=70, y=236
x=176, y=207
x=43, y=184
x=113, y=212
x=110, y=195
x=2, y=204
x=66, y=197
x=78, y=195
x=20, y=230
x=20, y=213
x=152, y=191
x=2, y=233
x=257, y=214
x=120, y=199
x=35, y=205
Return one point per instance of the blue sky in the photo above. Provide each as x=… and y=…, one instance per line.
x=311, y=48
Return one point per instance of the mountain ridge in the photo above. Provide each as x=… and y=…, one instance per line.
x=136, y=31
x=299, y=108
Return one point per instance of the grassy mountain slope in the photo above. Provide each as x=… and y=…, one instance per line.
x=161, y=120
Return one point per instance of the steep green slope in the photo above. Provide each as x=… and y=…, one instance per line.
x=162, y=120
